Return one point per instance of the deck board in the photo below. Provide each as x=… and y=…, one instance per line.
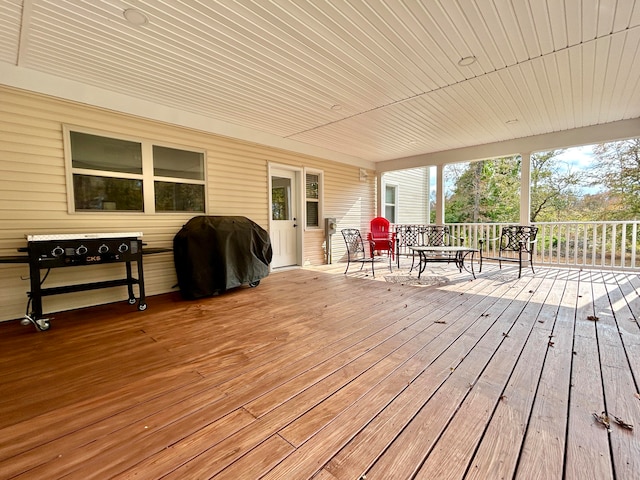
x=497, y=455
x=317, y=374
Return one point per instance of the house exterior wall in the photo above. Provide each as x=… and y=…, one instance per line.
x=413, y=194
x=33, y=195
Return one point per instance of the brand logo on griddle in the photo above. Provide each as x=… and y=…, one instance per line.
x=94, y=258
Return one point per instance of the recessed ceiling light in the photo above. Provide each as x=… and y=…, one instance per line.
x=135, y=17
x=466, y=61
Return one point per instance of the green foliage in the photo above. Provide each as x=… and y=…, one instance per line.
x=617, y=168
x=486, y=191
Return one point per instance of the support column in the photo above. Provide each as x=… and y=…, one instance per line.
x=379, y=196
x=525, y=189
x=440, y=195
x=427, y=188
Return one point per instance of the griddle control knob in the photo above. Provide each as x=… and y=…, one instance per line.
x=58, y=251
x=81, y=250
x=123, y=247
x=104, y=248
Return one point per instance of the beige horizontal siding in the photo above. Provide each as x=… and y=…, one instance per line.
x=33, y=195
x=413, y=194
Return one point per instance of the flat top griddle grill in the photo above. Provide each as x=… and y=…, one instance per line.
x=77, y=249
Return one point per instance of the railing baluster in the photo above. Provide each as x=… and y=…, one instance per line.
x=584, y=244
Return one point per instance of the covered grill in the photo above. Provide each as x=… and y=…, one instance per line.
x=215, y=253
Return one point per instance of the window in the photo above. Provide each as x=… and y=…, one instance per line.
x=313, y=198
x=390, y=202
x=114, y=174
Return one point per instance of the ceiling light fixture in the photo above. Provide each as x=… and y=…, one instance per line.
x=135, y=17
x=466, y=61
x=336, y=107
x=512, y=121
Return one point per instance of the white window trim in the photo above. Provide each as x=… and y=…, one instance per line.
x=147, y=176
x=384, y=200
x=320, y=173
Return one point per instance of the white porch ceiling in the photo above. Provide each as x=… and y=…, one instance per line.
x=277, y=67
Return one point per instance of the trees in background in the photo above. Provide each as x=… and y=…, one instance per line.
x=488, y=190
x=617, y=168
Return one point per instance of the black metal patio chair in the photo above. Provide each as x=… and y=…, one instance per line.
x=356, y=251
x=515, y=244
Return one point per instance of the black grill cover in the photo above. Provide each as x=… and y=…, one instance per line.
x=215, y=253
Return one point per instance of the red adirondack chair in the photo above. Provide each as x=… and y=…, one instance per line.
x=381, y=238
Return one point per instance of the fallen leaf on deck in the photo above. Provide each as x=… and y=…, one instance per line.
x=551, y=344
x=622, y=423
x=440, y=321
x=502, y=398
x=593, y=318
x=603, y=419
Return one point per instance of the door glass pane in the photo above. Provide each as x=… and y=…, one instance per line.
x=281, y=198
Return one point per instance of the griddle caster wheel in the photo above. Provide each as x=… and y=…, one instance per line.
x=254, y=284
x=142, y=307
x=41, y=324
x=132, y=301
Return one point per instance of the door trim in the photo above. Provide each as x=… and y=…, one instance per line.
x=298, y=173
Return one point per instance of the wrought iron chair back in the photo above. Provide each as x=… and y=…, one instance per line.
x=356, y=251
x=515, y=244
x=407, y=236
x=435, y=235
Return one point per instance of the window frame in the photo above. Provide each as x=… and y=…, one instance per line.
x=147, y=177
x=396, y=188
x=319, y=200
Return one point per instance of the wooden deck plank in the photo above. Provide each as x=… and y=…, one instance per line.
x=38, y=451
x=263, y=458
x=498, y=454
x=543, y=449
x=587, y=450
x=406, y=455
x=66, y=420
x=331, y=439
x=616, y=337
x=628, y=318
x=368, y=444
x=463, y=434
x=456, y=380
x=413, y=311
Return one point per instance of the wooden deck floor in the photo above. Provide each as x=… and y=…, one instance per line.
x=315, y=374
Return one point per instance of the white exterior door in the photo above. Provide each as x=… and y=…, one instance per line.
x=285, y=224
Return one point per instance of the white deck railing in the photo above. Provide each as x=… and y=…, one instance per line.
x=602, y=245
